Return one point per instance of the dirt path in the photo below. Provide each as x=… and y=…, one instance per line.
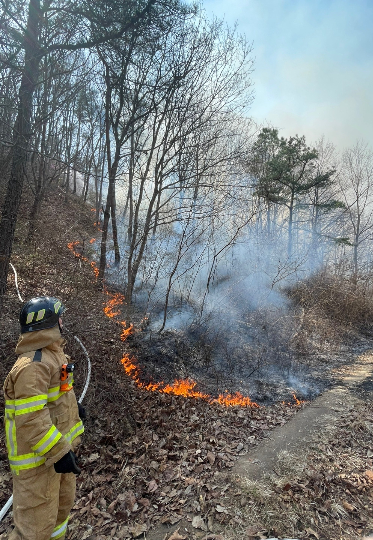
x=295, y=436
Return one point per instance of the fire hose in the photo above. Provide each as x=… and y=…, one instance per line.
x=16, y=281
x=9, y=503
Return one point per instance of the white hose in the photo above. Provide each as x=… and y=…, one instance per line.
x=6, y=507
x=88, y=372
x=9, y=503
x=16, y=282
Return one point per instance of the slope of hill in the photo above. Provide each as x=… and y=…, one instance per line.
x=151, y=457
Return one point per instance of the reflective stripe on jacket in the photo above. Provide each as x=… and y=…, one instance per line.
x=41, y=423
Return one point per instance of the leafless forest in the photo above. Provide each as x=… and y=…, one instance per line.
x=205, y=220
x=189, y=244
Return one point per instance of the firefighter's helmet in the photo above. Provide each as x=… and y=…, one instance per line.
x=40, y=313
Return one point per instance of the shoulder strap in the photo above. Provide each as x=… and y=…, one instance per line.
x=37, y=356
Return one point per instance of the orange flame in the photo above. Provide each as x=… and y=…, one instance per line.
x=95, y=269
x=92, y=240
x=116, y=300
x=185, y=388
x=180, y=387
x=297, y=401
x=71, y=245
x=234, y=400
x=126, y=331
x=130, y=368
x=77, y=250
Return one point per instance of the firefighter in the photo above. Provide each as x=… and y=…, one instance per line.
x=43, y=425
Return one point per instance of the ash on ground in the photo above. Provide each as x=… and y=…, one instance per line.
x=268, y=370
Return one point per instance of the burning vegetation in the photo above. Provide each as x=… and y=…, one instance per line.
x=180, y=387
x=77, y=248
x=115, y=300
x=178, y=461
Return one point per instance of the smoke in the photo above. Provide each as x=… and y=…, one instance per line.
x=226, y=298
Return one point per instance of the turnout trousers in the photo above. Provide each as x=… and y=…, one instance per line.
x=41, y=504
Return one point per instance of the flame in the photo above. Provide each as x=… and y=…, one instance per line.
x=180, y=387
x=297, y=401
x=126, y=331
x=130, y=368
x=117, y=299
x=73, y=247
x=185, y=388
x=234, y=400
x=95, y=269
x=92, y=240
x=98, y=225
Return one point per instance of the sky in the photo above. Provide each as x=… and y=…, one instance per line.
x=313, y=69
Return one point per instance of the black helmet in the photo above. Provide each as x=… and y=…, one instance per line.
x=40, y=313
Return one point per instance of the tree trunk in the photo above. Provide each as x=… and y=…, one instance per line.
x=112, y=170
x=105, y=226
x=156, y=217
x=130, y=189
x=290, y=228
x=98, y=185
x=34, y=213
x=268, y=219
x=134, y=259
x=75, y=163
x=114, y=226
x=356, y=246
x=21, y=139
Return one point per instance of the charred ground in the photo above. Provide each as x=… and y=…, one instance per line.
x=149, y=457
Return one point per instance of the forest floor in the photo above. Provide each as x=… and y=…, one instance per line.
x=274, y=480
x=159, y=466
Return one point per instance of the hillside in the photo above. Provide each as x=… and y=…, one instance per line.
x=152, y=458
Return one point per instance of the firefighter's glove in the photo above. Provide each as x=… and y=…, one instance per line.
x=82, y=412
x=67, y=464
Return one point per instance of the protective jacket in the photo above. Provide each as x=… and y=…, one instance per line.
x=42, y=422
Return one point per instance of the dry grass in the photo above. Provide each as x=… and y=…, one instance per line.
x=345, y=301
x=326, y=494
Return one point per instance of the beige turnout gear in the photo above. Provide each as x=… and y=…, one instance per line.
x=42, y=424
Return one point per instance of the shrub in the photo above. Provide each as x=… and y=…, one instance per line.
x=346, y=301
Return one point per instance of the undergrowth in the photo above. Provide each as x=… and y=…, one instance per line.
x=343, y=300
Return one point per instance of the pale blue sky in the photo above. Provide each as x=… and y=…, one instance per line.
x=313, y=65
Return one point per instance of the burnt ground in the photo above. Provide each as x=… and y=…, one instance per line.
x=284, y=480
x=151, y=458
x=174, y=354
x=364, y=390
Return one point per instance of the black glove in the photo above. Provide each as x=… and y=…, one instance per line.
x=67, y=464
x=82, y=412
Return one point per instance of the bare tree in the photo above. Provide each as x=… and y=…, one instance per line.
x=356, y=183
x=175, y=157
x=132, y=91
x=26, y=31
